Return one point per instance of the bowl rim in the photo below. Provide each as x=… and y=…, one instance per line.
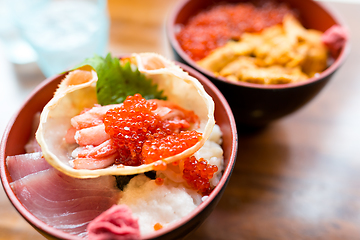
x=170, y=31
x=45, y=229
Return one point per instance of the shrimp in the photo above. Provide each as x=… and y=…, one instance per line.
x=169, y=111
x=92, y=135
x=94, y=163
x=91, y=117
x=102, y=150
x=176, y=117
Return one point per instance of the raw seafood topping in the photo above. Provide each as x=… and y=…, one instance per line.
x=159, y=181
x=130, y=125
x=140, y=132
x=213, y=27
x=157, y=226
x=197, y=174
x=77, y=143
x=280, y=54
x=158, y=148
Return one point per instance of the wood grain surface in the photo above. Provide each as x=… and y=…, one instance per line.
x=298, y=178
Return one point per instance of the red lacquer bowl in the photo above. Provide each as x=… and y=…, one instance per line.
x=18, y=132
x=257, y=104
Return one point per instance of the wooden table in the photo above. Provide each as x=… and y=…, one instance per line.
x=299, y=178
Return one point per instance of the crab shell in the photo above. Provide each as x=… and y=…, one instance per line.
x=78, y=91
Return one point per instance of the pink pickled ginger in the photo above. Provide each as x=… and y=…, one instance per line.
x=335, y=38
x=116, y=223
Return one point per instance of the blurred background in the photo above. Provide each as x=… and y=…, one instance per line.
x=120, y=27
x=30, y=52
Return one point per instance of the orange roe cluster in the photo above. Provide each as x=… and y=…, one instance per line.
x=212, y=28
x=197, y=174
x=159, y=148
x=128, y=126
x=140, y=135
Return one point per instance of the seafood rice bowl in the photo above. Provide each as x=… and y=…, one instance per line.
x=124, y=149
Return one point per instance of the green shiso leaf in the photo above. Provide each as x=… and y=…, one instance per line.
x=117, y=81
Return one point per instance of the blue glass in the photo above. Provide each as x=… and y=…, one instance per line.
x=63, y=32
x=16, y=49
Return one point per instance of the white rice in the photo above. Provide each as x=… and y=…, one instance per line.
x=152, y=203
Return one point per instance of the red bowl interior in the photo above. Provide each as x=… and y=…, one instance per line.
x=313, y=15
x=18, y=132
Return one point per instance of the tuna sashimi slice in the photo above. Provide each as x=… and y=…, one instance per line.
x=22, y=165
x=63, y=202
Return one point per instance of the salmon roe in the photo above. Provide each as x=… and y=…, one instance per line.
x=212, y=28
x=157, y=226
x=159, y=181
x=141, y=136
x=170, y=145
x=198, y=173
